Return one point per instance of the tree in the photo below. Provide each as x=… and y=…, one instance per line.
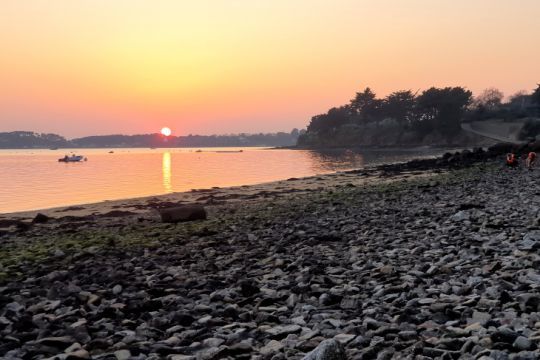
x=490, y=99
x=535, y=97
x=365, y=105
x=444, y=108
x=400, y=106
x=325, y=123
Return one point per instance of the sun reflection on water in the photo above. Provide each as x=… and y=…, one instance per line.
x=167, y=184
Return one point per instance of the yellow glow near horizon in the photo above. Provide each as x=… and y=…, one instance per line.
x=98, y=66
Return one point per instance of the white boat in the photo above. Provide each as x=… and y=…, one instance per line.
x=73, y=158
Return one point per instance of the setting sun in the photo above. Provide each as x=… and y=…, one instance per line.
x=166, y=131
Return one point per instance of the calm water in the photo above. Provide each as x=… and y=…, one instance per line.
x=33, y=179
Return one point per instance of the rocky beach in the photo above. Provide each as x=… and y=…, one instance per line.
x=431, y=259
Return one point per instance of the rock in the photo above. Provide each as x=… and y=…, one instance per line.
x=117, y=289
x=530, y=242
x=461, y=215
x=529, y=302
x=329, y=299
x=182, y=213
x=248, y=288
x=182, y=318
x=522, y=343
x=282, y=331
x=122, y=354
x=73, y=347
x=271, y=347
x=345, y=338
x=40, y=219
x=59, y=253
x=61, y=342
x=327, y=350
x=504, y=334
x=212, y=342
x=525, y=355
x=479, y=317
x=349, y=303
x=78, y=355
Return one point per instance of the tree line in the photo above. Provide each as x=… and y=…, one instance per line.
x=33, y=140
x=438, y=111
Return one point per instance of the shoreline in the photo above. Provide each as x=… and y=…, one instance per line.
x=231, y=193
x=438, y=259
x=100, y=207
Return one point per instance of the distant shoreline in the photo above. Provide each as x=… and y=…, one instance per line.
x=33, y=140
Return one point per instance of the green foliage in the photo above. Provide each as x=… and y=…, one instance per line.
x=365, y=105
x=400, y=105
x=435, y=114
x=445, y=108
x=388, y=119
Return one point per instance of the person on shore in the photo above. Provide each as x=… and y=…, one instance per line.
x=511, y=160
x=531, y=159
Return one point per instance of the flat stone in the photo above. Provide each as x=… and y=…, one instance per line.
x=279, y=331
x=345, y=338
x=271, y=347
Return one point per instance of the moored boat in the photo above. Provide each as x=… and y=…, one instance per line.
x=72, y=158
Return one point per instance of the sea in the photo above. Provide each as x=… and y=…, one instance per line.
x=34, y=179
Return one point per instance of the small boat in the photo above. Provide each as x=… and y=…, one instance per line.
x=72, y=158
x=198, y=150
x=111, y=152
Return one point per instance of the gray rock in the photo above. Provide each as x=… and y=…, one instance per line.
x=59, y=253
x=522, y=343
x=460, y=216
x=122, y=354
x=327, y=350
x=117, y=289
x=271, y=347
x=531, y=241
x=282, y=331
x=78, y=354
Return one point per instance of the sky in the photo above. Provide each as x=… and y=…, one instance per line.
x=86, y=67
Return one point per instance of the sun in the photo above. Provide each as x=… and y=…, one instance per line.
x=166, y=131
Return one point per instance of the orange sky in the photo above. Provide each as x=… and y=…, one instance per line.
x=81, y=67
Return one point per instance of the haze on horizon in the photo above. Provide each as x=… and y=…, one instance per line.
x=133, y=66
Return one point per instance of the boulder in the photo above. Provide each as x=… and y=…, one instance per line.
x=40, y=219
x=182, y=213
